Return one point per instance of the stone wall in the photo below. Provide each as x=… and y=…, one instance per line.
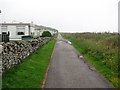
x=15, y=52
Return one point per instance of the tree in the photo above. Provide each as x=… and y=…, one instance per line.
x=46, y=34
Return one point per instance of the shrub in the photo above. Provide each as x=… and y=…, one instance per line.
x=46, y=34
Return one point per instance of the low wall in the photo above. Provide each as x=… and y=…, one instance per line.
x=15, y=52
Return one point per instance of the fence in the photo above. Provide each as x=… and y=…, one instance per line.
x=0, y=37
x=5, y=37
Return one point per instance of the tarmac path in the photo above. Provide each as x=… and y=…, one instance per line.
x=68, y=71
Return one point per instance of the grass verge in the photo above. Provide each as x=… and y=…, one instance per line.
x=29, y=74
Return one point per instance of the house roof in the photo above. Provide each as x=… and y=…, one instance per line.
x=37, y=27
x=30, y=24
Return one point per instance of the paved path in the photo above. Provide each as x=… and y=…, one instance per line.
x=68, y=71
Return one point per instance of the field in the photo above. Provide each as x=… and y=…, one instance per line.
x=30, y=74
x=101, y=50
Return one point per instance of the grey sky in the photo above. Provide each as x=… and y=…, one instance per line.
x=64, y=15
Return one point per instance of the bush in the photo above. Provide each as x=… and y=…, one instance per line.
x=46, y=34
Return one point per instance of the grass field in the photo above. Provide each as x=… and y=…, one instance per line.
x=101, y=50
x=30, y=74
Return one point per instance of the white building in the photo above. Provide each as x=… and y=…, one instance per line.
x=17, y=30
x=40, y=29
x=37, y=31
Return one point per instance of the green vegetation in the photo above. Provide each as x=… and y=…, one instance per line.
x=56, y=35
x=101, y=50
x=30, y=74
x=46, y=34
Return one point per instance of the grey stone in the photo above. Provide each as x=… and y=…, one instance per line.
x=15, y=52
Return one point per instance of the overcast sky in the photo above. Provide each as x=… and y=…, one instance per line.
x=64, y=15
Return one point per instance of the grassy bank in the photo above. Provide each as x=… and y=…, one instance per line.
x=101, y=50
x=29, y=74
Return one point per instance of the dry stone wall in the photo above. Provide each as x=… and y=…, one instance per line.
x=15, y=52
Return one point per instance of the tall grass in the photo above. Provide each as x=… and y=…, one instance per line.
x=100, y=49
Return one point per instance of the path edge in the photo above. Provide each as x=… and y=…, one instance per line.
x=91, y=66
x=46, y=74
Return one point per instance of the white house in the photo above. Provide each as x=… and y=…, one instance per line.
x=37, y=31
x=17, y=30
x=40, y=29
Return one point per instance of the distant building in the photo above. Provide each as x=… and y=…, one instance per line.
x=115, y=33
x=40, y=29
x=17, y=30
